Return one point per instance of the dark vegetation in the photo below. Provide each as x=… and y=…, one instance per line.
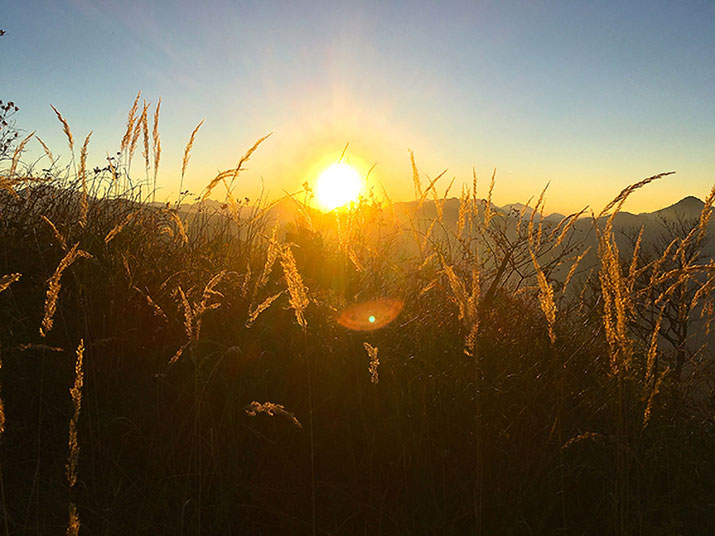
x=501, y=408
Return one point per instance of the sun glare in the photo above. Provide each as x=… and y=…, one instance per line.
x=370, y=315
x=337, y=186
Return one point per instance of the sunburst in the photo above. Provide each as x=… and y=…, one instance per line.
x=338, y=185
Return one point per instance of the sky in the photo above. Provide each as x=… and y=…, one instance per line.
x=586, y=96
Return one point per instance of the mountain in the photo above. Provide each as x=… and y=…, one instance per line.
x=688, y=208
x=554, y=217
x=516, y=208
x=286, y=210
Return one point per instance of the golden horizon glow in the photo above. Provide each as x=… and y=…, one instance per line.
x=338, y=185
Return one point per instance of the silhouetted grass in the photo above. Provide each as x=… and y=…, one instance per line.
x=219, y=395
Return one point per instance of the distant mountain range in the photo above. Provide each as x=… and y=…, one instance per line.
x=657, y=224
x=285, y=211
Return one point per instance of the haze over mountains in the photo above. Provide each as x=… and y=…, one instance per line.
x=284, y=211
x=659, y=226
x=688, y=207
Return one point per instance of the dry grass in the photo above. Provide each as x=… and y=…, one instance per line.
x=224, y=175
x=535, y=238
x=8, y=185
x=271, y=409
x=45, y=148
x=65, y=128
x=180, y=226
x=468, y=303
x=258, y=309
x=73, y=525
x=194, y=311
x=54, y=286
x=131, y=119
x=188, y=315
x=145, y=136
x=16, y=155
x=187, y=151
x=297, y=291
x=76, y=395
x=55, y=232
x=156, y=145
x=617, y=202
x=706, y=214
x=416, y=177
x=573, y=268
x=617, y=300
x=410, y=449
x=566, y=226
x=546, y=298
x=273, y=251
x=374, y=362
x=44, y=347
x=7, y=280
x=488, y=205
x=119, y=227
x=157, y=310
x=139, y=127
x=84, y=206
x=652, y=383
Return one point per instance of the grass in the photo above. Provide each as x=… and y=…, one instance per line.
x=522, y=388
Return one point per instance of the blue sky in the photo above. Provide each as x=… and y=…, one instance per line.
x=588, y=95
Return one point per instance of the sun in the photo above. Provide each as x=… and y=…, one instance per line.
x=338, y=185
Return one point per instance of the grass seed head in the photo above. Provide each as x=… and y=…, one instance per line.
x=76, y=394
x=65, y=128
x=297, y=291
x=271, y=409
x=9, y=279
x=374, y=362
x=54, y=286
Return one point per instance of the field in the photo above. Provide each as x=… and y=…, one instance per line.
x=198, y=368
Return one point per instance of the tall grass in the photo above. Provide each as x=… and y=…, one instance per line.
x=536, y=377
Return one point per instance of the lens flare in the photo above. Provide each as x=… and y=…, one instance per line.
x=370, y=315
